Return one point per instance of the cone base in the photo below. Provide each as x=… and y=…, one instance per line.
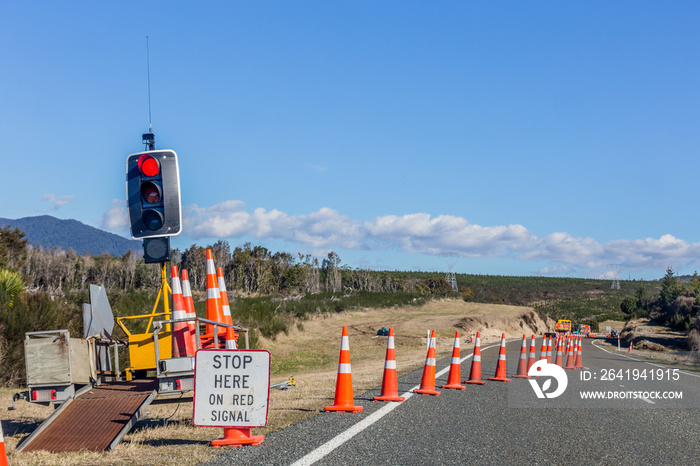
x=454, y=386
x=517, y=376
x=570, y=368
x=344, y=408
x=426, y=391
x=237, y=438
x=477, y=382
x=499, y=379
x=398, y=399
x=579, y=367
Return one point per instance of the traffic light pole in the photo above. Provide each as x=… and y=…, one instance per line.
x=149, y=140
x=165, y=292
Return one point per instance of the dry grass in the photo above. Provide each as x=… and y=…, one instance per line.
x=310, y=355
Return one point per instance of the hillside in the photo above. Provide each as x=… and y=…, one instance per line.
x=48, y=232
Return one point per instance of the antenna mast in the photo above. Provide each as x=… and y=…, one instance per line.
x=615, y=285
x=149, y=139
x=451, y=259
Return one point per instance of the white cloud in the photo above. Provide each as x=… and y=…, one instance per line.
x=326, y=229
x=116, y=218
x=57, y=202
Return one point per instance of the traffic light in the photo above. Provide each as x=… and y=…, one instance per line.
x=153, y=194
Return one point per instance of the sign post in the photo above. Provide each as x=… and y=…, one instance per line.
x=232, y=390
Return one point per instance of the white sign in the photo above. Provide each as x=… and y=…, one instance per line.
x=231, y=388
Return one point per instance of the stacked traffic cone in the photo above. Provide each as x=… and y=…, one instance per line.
x=187, y=294
x=184, y=341
x=560, y=356
x=214, y=309
x=236, y=437
x=427, y=383
x=390, y=386
x=226, y=309
x=579, y=356
x=231, y=338
x=500, y=375
x=344, y=400
x=549, y=350
x=532, y=357
x=522, y=364
x=187, y=297
x=475, y=372
x=570, y=356
x=455, y=374
x=3, y=453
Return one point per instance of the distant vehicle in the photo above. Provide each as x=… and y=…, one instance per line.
x=562, y=326
x=550, y=335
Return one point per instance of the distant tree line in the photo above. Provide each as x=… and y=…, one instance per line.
x=248, y=270
x=677, y=304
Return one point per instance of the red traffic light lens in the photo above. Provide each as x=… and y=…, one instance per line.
x=152, y=219
x=148, y=165
x=151, y=192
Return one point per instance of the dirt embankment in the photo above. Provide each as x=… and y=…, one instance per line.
x=644, y=335
x=492, y=327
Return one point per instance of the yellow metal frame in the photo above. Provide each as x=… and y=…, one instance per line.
x=142, y=354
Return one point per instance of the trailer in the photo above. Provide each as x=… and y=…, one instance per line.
x=96, y=401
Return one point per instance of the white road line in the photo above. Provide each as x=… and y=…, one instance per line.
x=346, y=435
x=641, y=360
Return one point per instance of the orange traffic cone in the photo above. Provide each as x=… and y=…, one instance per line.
x=500, y=375
x=560, y=356
x=390, y=386
x=184, y=341
x=579, y=357
x=236, y=437
x=427, y=383
x=3, y=453
x=549, y=350
x=522, y=364
x=343, y=386
x=630, y=348
x=543, y=351
x=471, y=336
x=531, y=357
x=187, y=297
x=475, y=372
x=570, y=355
x=455, y=369
x=214, y=310
x=231, y=338
x=224, y=296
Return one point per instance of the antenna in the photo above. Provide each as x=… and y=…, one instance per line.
x=149, y=139
x=451, y=258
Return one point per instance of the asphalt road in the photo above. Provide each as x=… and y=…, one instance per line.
x=505, y=423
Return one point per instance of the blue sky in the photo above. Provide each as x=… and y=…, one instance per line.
x=550, y=138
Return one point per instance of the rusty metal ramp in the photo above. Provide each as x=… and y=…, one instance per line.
x=95, y=420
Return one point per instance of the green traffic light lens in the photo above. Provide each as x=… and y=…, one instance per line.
x=152, y=219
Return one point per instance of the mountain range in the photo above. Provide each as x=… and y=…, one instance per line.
x=47, y=232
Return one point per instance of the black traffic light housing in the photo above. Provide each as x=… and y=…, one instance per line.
x=156, y=250
x=153, y=194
